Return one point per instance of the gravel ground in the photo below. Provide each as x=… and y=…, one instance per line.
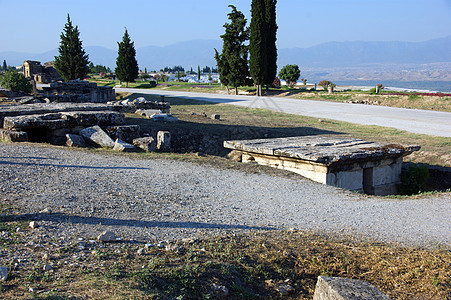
x=157, y=200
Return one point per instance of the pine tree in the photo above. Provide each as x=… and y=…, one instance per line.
x=262, y=43
x=232, y=62
x=126, y=64
x=72, y=62
x=5, y=66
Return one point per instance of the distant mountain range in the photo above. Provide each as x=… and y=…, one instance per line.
x=324, y=56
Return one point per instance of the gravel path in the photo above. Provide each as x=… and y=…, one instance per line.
x=152, y=200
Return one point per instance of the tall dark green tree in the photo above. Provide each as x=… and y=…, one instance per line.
x=72, y=62
x=126, y=64
x=262, y=48
x=5, y=66
x=271, y=34
x=232, y=62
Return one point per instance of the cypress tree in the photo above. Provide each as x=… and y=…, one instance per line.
x=262, y=43
x=232, y=62
x=271, y=35
x=198, y=73
x=72, y=62
x=126, y=64
x=257, y=44
x=5, y=66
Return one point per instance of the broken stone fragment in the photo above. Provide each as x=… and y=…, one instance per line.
x=164, y=141
x=107, y=237
x=75, y=140
x=147, y=144
x=163, y=118
x=47, y=268
x=127, y=133
x=216, y=117
x=220, y=290
x=13, y=136
x=121, y=146
x=97, y=137
x=33, y=224
x=344, y=288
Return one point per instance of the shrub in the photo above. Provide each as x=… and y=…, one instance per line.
x=16, y=82
x=413, y=179
x=276, y=83
x=290, y=73
x=153, y=83
x=373, y=91
x=325, y=84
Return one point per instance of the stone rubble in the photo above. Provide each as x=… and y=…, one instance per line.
x=96, y=137
x=121, y=146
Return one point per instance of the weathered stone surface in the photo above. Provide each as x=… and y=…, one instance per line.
x=336, y=288
x=46, y=268
x=3, y=273
x=33, y=224
x=164, y=141
x=320, y=149
x=46, y=108
x=107, y=237
x=140, y=104
x=13, y=136
x=75, y=140
x=97, y=137
x=147, y=144
x=79, y=91
x=353, y=164
x=126, y=133
x=149, y=113
x=121, y=146
x=90, y=118
x=163, y=118
x=50, y=121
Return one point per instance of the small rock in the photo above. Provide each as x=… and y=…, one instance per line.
x=215, y=117
x=285, y=289
x=45, y=256
x=3, y=273
x=220, y=289
x=107, y=237
x=147, y=246
x=47, y=268
x=121, y=146
x=33, y=225
x=46, y=211
x=141, y=251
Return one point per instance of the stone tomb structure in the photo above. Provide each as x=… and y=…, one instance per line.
x=354, y=164
x=78, y=91
x=40, y=74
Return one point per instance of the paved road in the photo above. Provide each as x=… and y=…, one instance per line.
x=411, y=120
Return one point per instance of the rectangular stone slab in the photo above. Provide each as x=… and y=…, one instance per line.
x=322, y=149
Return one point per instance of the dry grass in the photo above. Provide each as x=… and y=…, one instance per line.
x=250, y=266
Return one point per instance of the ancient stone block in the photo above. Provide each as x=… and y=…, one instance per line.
x=50, y=121
x=97, y=137
x=336, y=288
x=75, y=140
x=91, y=118
x=147, y=144
x=164, y=141
x=215, y=117
x=121, y=146
x=164, y=118
x=126, y=133
x=13, y=136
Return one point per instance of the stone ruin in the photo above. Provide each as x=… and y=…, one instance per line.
x=78, y=91
x=83, y=125
x=366, y=167
x=41, y=74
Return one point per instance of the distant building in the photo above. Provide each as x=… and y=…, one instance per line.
x=41, y=74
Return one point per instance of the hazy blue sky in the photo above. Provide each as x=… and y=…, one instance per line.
x=35, y=26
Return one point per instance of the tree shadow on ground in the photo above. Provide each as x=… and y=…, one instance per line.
x=95, y=221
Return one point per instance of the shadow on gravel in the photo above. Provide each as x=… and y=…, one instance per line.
x=2, y=162
x=70, y=219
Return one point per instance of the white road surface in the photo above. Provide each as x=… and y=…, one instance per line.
x=412, y=120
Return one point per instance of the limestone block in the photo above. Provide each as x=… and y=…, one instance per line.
x=164, y=118
x=13, y=136
x=97, y=137
x=215, y=117
x=121, y=146
x=90, y=118
x=75, y=140
x=125, y=133
x=164, y=141
x=50, y=121
x=147, y=144
x=336, y=288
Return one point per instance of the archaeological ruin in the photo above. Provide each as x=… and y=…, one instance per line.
x=40, y=74
x=354, y=164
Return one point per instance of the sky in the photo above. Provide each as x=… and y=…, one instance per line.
x=32, y=26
